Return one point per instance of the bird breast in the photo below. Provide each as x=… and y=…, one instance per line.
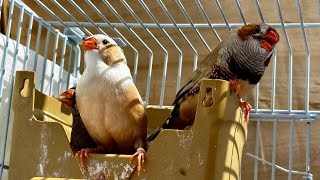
x=102, y=99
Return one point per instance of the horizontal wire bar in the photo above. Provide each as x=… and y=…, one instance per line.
x=264, y=111
x=284, y=116
x=182, y=25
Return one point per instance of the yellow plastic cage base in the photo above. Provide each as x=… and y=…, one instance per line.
x=210, y=149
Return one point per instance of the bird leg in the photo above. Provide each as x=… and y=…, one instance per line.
x=247, y=107
x=140, y=156
x=84, y=153
x=235, y=85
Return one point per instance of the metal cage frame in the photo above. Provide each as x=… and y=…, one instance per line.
x=70, y=36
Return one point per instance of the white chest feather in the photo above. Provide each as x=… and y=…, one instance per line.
x=100, y=96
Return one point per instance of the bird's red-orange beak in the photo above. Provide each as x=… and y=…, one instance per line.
x=89, y=43
x=67, y=96
x=270, y=39
x=66, y=101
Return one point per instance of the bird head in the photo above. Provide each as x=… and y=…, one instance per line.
x=108, y=49
x=263, y=36
x=248, y=50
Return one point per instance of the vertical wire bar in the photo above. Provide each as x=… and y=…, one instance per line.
x=308, y=149
x=156, y=40
x=291, y=148
x=35, y=63
x=45, y=58
x=11, y=80
x=207, y=19
x=256, y=102
x=76, y=67
x=222, y=13
x=71, y=17
x=259, y=10
x=290, y=57
x=5, y=50
x=184, y=11
x=69, y=66
x=29, y=34
x=319, y=7
x=256, y=162
x=142, y=42
x=136, y=54
x=164, y=73
x=54, y=60
x=0, y=18
x=274, y=149
x=57, y=17
x=256, y=105
x=307, y=56
x=273, y=86
x=195, y=53
x=63, y=53
x=240, y=11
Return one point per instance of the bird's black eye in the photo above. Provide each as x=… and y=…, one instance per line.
x=258, y=29
x=105, y=41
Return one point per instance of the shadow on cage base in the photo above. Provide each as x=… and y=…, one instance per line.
x=210, y=149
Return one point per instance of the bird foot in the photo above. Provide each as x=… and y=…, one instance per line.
x=247, y=107
x=100, y=176
x=235, y=85
x=84, y=153
x=140, y=156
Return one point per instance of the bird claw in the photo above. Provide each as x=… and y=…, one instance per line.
x=235, y=85
x=140, y=158
x=84, y=153
x=247, y=107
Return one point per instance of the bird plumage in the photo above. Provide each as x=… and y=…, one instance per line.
x=108, y=100
x=242, y=57
x=80, y=137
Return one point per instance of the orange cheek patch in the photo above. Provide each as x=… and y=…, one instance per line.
x=266, y=45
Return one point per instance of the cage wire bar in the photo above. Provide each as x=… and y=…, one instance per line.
x=26, y=11
x=274, y=115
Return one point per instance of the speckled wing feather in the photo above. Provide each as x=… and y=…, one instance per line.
x=205, y=70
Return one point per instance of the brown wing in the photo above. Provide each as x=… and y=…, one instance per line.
x=185, y=103
x=203, y=71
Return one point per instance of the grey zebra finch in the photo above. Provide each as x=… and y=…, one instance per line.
x=241, y=59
